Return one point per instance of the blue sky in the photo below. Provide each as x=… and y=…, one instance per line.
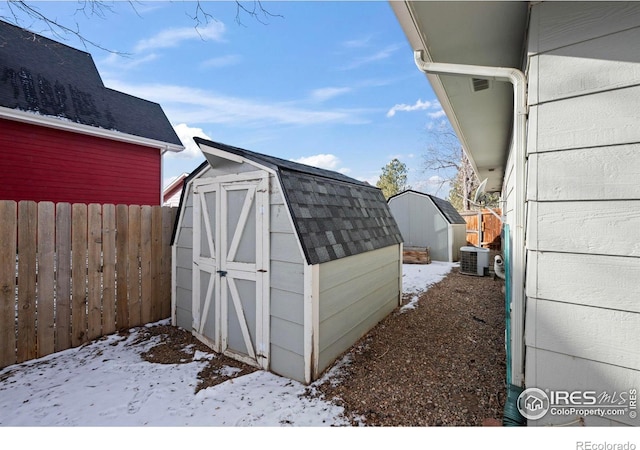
x=331, y=84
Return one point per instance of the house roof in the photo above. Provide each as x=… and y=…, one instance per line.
x=477, y=33
x=334, y=215
x=51, y=79
x=446, y=209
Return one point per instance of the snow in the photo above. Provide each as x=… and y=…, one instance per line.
x=104, y=395
x=417, y=278
x=107, y=383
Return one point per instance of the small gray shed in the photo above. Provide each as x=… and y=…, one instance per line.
x=428, y=221
x=281, y=265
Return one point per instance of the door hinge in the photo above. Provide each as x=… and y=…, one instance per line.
x=223, y=273
x=262, y=270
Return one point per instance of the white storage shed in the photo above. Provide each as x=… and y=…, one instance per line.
x=281, y=265
x=428, y=221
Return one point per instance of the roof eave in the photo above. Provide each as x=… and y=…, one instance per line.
x=74, y=127
x=419, y=39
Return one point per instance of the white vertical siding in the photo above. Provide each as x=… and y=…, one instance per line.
x=583, y=313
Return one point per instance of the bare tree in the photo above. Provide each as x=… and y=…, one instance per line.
x=24, y=13
x=446, y=157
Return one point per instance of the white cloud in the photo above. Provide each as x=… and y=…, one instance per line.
x=186, y=135
x=357, y=43
x=189, y=105
x=437, y=114
x=323, y=161
x=385, y=53
x=419, y=105
x=172, y=37
x=222, y=61
x=327, y=93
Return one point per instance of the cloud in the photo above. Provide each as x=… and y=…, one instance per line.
x=323, y=161
x=186, y=135
x=189, y=105
x=437, y=114
x=172, y=37
x=327, y=93
x=419, y=105
x=120, y=63
x=222, y=61
x=385, y=53
x=357, y=43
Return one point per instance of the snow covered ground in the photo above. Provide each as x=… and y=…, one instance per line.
x=94, y=388
x=107, y=383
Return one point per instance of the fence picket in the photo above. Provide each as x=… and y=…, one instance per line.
x=145, y=263
x=83, y=271
x=63, y=278
x=156, y=262
x=94, y=273
x=79, y=274
x=45, y=294
x=133, y=272
x=168, y=216
x=27, y=218
x=8, y=238
x=108, y=269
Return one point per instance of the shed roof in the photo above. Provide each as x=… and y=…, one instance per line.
x=334, y=215
x=448, y=211
x=46, y=77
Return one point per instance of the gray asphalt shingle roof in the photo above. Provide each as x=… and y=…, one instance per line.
x=334, y=215
x=46, y=77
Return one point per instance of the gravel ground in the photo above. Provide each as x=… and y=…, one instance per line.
x=440, y=364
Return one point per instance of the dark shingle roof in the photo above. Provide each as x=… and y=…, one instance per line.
x=448, y=211
x=334, y=215
x=43, y=76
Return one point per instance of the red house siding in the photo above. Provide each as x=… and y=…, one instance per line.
x=40, y=163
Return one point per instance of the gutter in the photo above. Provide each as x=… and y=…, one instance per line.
x=68, y=125
x=519, y=82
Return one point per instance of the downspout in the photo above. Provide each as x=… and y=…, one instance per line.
x=517, y=306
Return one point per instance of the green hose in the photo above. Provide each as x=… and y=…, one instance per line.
x=511, y=417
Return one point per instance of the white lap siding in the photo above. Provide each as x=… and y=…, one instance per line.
x=583, y=262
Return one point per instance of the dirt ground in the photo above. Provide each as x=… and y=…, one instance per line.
x=440, y=364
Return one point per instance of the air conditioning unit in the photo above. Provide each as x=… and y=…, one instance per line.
x=474, y=261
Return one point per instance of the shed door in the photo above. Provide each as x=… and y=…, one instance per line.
x=233, y=289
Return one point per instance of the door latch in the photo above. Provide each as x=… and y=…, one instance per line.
x=223, y=273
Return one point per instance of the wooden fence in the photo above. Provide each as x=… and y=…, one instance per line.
x=483, y=228
x=70, y=273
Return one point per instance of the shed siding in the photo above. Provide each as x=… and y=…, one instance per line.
x=421, y=224
x=355, y=294
x=286, y=268
x=287, y=291
x=583, y=200
x=40, y=163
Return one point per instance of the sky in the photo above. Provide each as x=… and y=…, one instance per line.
x=330, y=84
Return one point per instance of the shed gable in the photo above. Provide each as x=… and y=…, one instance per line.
x=334, y=216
